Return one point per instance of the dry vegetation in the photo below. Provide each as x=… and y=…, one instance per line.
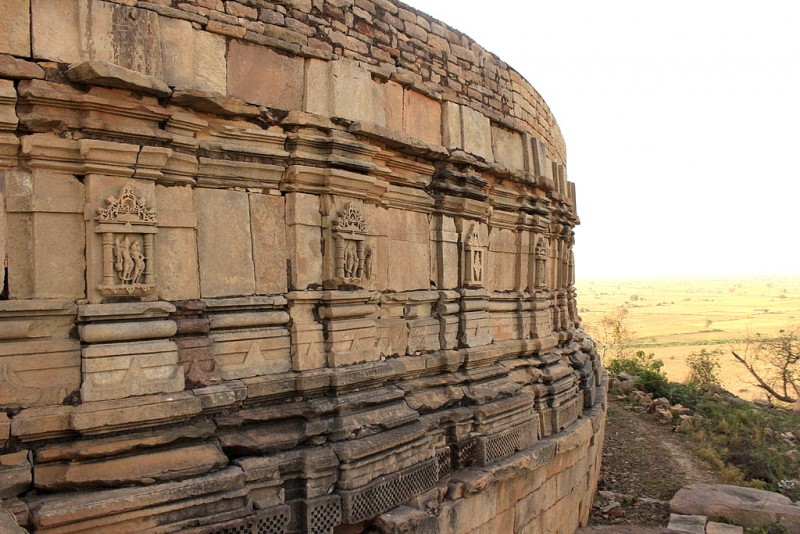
x=674, y=318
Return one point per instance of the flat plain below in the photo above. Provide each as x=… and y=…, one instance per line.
x=675, y=317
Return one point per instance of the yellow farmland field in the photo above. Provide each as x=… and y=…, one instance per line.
x=676, y=317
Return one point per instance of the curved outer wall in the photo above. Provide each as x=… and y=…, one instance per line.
x=291, y=266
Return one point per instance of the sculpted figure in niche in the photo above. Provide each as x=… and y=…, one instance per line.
x=540, y=263
x=123, y=263
x=368, y=263
x=138, y=262
x=349, y=233
x=127, y=228
x=350, y=259
x=474, y=256
x=477, y=265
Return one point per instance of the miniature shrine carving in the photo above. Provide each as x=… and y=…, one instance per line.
x=475, y=257
x=128, y=228
x=353, y=258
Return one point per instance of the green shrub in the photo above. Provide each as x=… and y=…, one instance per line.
x=647, y=367
x=704, y=367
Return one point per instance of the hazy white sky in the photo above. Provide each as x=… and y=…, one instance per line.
x=681, y=119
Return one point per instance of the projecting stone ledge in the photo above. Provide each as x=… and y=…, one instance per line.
x=109, y=75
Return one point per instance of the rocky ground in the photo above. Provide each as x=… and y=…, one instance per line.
x=644, y=464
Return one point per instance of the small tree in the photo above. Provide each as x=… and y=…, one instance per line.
x=704, y=367
x=614, y=335
x=773, y=363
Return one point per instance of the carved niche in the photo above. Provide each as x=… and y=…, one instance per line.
x=540, y=264
x=353, y=257
x=127, y=227
x=475, y=249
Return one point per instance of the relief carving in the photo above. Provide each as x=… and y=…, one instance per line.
x=475, y=248
x=128, y=227
x=353, y=257
x=540, y=263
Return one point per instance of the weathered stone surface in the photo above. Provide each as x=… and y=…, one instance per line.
x=212, y=102
x=118, y=370
x=303, y=240
x=343, y=89
x=15, y=35
x=476, y=133
x=11, y=67
x=409, y=236
x=422, y=117
x=9, y=524
x=96, y=72
x=258, y=86
x=690, y=524
x=269, y=242
x=15, y=474
x=192, y=58
x=143, y=467
x=224, y=233
x=89, y=449
x=507, y=148
x=176, y=247
x=71, y=32
x=712, y=527
x=85, y=506
x=742, y=506
x=45, y=220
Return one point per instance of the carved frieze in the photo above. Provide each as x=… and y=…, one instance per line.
x=128, y=228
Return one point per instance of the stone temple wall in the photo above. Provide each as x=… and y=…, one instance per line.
x=288, y=266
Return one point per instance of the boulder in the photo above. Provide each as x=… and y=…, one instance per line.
x=750, y=508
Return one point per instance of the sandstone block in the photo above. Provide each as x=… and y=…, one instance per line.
x=45, y=220
x=422, y=117
x=451, y=126
x=9, y=524
x=343, y=89
x=146, y=466
x=15, y=474
x=269, y=242
x=38, y=372
x=394, y=105
x=11, y=67
x=409, y=234
x=15, y=35
x=304, y=240
x=212, y=102
x=88, y=449
x=5, y=429
x=224, y=234
x=261, y=76
x=210, y=67
x=712, y=527
x=81, y=507
x=690, y=524
x=71, y=32
x=119, y=370
x=252, y=352
x=476, y=133
x=743, y=506
x=507, y=148
x=176, y=246
x=96, y=72
x=124, y=414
